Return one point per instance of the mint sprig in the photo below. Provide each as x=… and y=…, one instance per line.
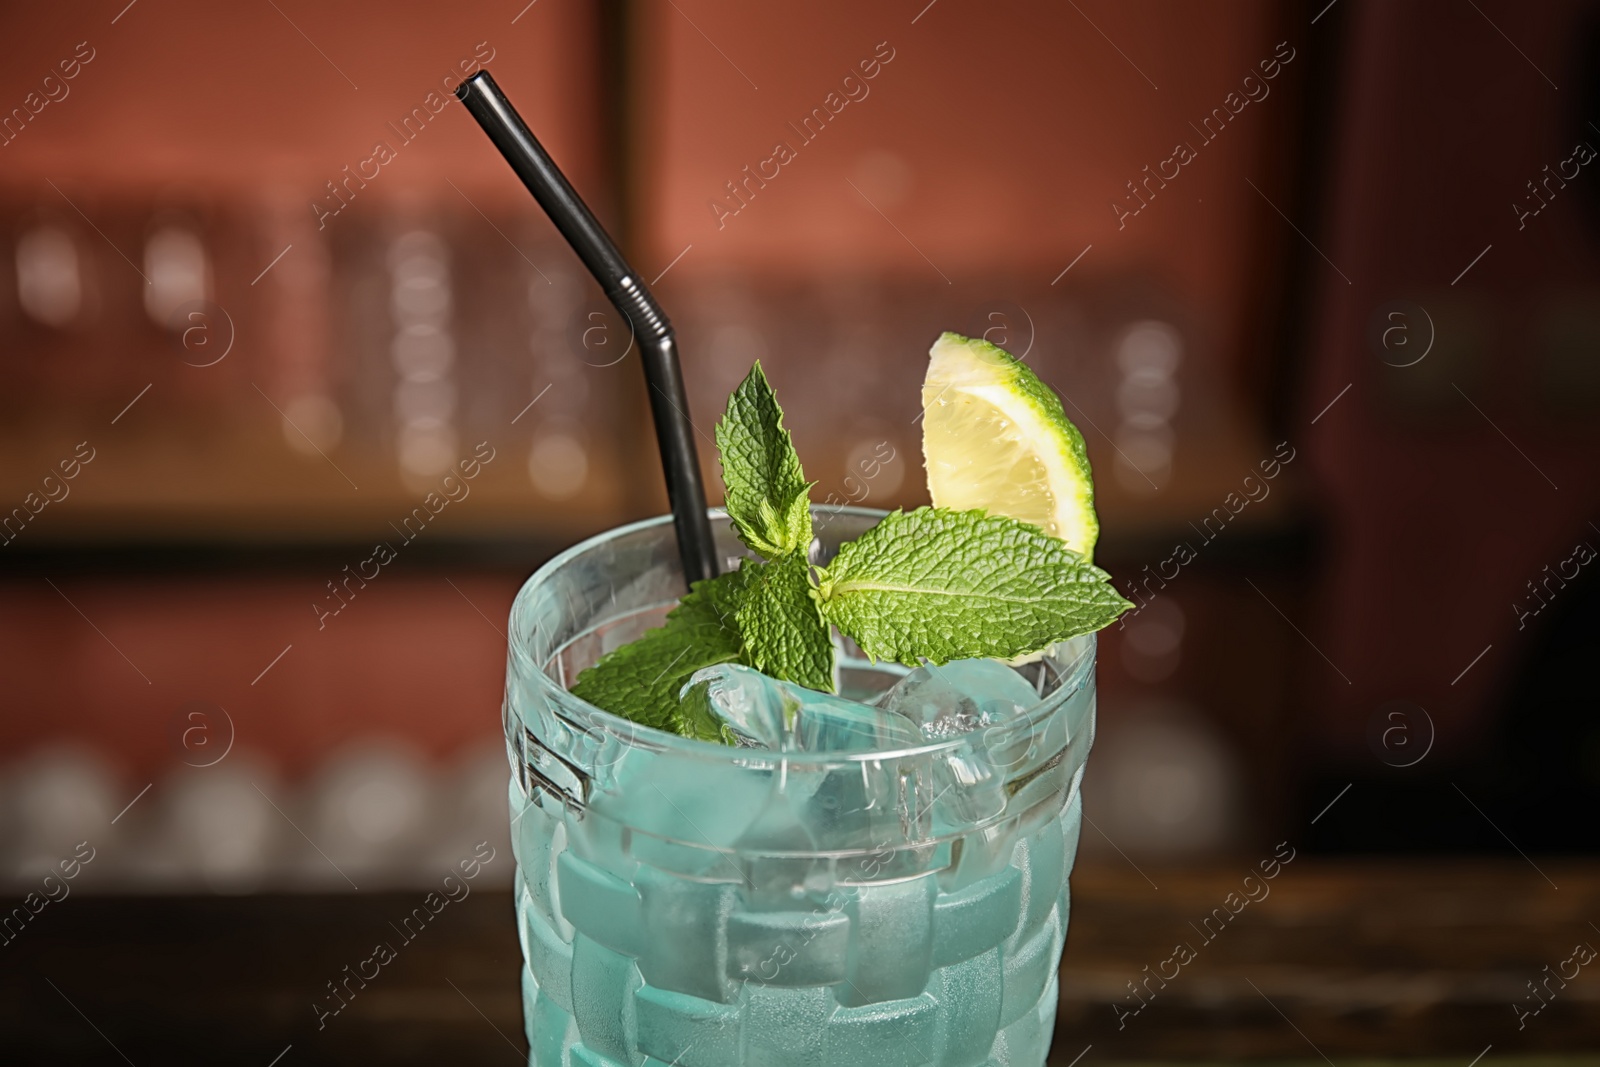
x=933, y=584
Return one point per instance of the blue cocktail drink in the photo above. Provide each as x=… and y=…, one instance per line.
x=896, y=898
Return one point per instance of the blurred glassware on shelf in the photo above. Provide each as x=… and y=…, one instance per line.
x=313, y=423
x=374, y=811
x=471, y=800
x=54, y=798
x=178, y=272
x=1147, y=354
x=1165, y=785
x=214, y=827
x=367, y=810
x=557, y=465
x=420, y=304
x=50, y=286
x=1152, y=641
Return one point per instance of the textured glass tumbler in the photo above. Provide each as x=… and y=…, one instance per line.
x=698, y=905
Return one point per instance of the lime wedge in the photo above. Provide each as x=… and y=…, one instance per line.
x=995, y=437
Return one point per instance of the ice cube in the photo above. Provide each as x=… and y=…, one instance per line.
x=959, y=697
x=833, y=725
x=873, y=808
x=869, y=806
x=742, y=705
x=781, y=716
x=946, y=702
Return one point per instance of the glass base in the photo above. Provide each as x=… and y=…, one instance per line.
x=896, y=973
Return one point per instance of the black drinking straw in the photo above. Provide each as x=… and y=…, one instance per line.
x=658, y=348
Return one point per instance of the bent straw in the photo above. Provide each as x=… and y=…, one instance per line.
x=658, y=347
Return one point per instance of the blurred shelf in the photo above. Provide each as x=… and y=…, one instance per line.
x=308, y=441
x=233, y=489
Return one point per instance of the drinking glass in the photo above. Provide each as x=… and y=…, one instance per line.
x=699, y=905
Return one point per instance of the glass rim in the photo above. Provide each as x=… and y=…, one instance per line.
x=1076, y=674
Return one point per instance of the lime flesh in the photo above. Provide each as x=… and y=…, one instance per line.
x=995, y=437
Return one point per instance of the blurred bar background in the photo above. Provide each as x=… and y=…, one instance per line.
x=278, y=312
x=298, y=386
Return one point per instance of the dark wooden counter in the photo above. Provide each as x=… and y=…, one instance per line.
x=1340, y=963
x=1337, y=962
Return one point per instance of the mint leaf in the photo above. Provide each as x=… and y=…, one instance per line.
x=947, y=585
x=641, y=680
x=761, y=473
x=784, y=634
